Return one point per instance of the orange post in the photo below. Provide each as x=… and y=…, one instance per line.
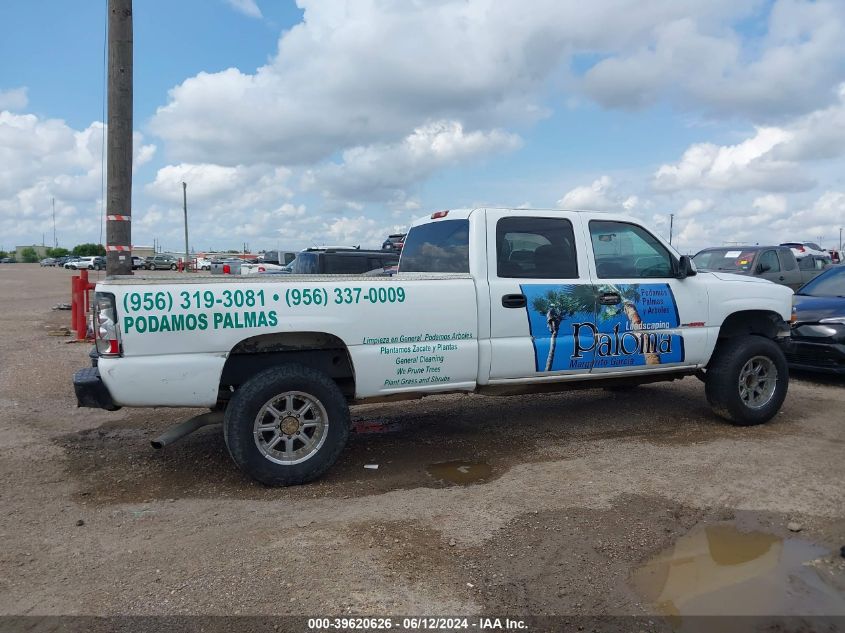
x=80, y=304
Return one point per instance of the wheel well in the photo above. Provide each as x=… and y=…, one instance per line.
x=759, y=322
x=318, y=350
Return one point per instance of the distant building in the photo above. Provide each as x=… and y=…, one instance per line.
x=143, y=251
x=41, y=251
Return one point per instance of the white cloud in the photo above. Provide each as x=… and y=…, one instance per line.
x=383, y=171
x=693, y=207
x=601, y=195
x=773, y=159
x=247, y=7
x=44, y=159
x=14, y=99
x=771, y=205
x=366, y=72
x=747, y=165
x=703, y=65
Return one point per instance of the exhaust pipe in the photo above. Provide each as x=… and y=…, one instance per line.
x=176, y=433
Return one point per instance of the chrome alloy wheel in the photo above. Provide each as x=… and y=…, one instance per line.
x=757, y=382
x=291, y=427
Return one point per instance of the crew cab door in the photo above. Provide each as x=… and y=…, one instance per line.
x=646, y=318
x=768, y=267
x=539, y=284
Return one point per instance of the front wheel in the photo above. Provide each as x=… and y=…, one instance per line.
x=151, y=267
x=286, y=425
x=747, y=380
x=172, y=266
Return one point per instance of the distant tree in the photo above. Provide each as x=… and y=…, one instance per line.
x=88, y=250
x=3, y=254
x=57, y=252
x=29, y=255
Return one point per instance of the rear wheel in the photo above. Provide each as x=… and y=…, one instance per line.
x=286, y=425
x=747, y=380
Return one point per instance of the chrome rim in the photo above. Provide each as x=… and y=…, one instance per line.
x=757, y=382
x=291, y=427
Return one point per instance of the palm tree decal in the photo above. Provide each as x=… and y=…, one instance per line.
x=630, y=296
x=561, y=304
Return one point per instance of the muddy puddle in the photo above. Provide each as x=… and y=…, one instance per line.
x=719, y=570
x=461, y=473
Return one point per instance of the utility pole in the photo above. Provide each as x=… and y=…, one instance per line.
x=671, y=225
x=119, y=166
x=840, y=242
x=55, y=239
x=185, y=209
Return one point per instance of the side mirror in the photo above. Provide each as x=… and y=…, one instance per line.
x=685, y=267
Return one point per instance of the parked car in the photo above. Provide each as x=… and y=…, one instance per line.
x=281, y=258
x=815, y=263
x=394, y=242
x=835, y=256
x=802, y=249
x=7, y=260
x=817, y=342
x=343, y=261
x=71, y=261
x=775, y=263
x=87, y=263
x=226, y=266
x=48, y=261
x=161, y=262
x=138, y=262
x=202, y=263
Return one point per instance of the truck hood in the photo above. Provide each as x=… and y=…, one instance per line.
x=813, y=309
x=735, y=277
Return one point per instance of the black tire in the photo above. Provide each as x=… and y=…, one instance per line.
x=151, y=267
x=245, y=405
x=722, y=379
x=172, y=266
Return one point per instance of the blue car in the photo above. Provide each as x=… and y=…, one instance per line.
x=818, y=328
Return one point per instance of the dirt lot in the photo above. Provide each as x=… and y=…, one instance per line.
x=574, y=492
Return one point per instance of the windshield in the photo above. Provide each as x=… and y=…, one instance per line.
x=734, y=260
x=829, y=284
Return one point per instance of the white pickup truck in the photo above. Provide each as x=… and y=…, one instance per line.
x=493, y=301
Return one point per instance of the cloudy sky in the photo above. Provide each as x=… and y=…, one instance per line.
x=331, y=121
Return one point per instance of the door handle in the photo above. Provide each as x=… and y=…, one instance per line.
x=610, y=299
x=781, y=277
x=513, y=301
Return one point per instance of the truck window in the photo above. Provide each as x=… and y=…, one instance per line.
x=437, y=247
x=628, y=251
x=770, y=259
x=305, y=264
x=339, y=264
x=787, y=259
x=535, y=248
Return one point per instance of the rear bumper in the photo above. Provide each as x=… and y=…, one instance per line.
x=811, y=356
x=90, y=390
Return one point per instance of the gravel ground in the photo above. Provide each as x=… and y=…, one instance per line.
x=576, y=491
